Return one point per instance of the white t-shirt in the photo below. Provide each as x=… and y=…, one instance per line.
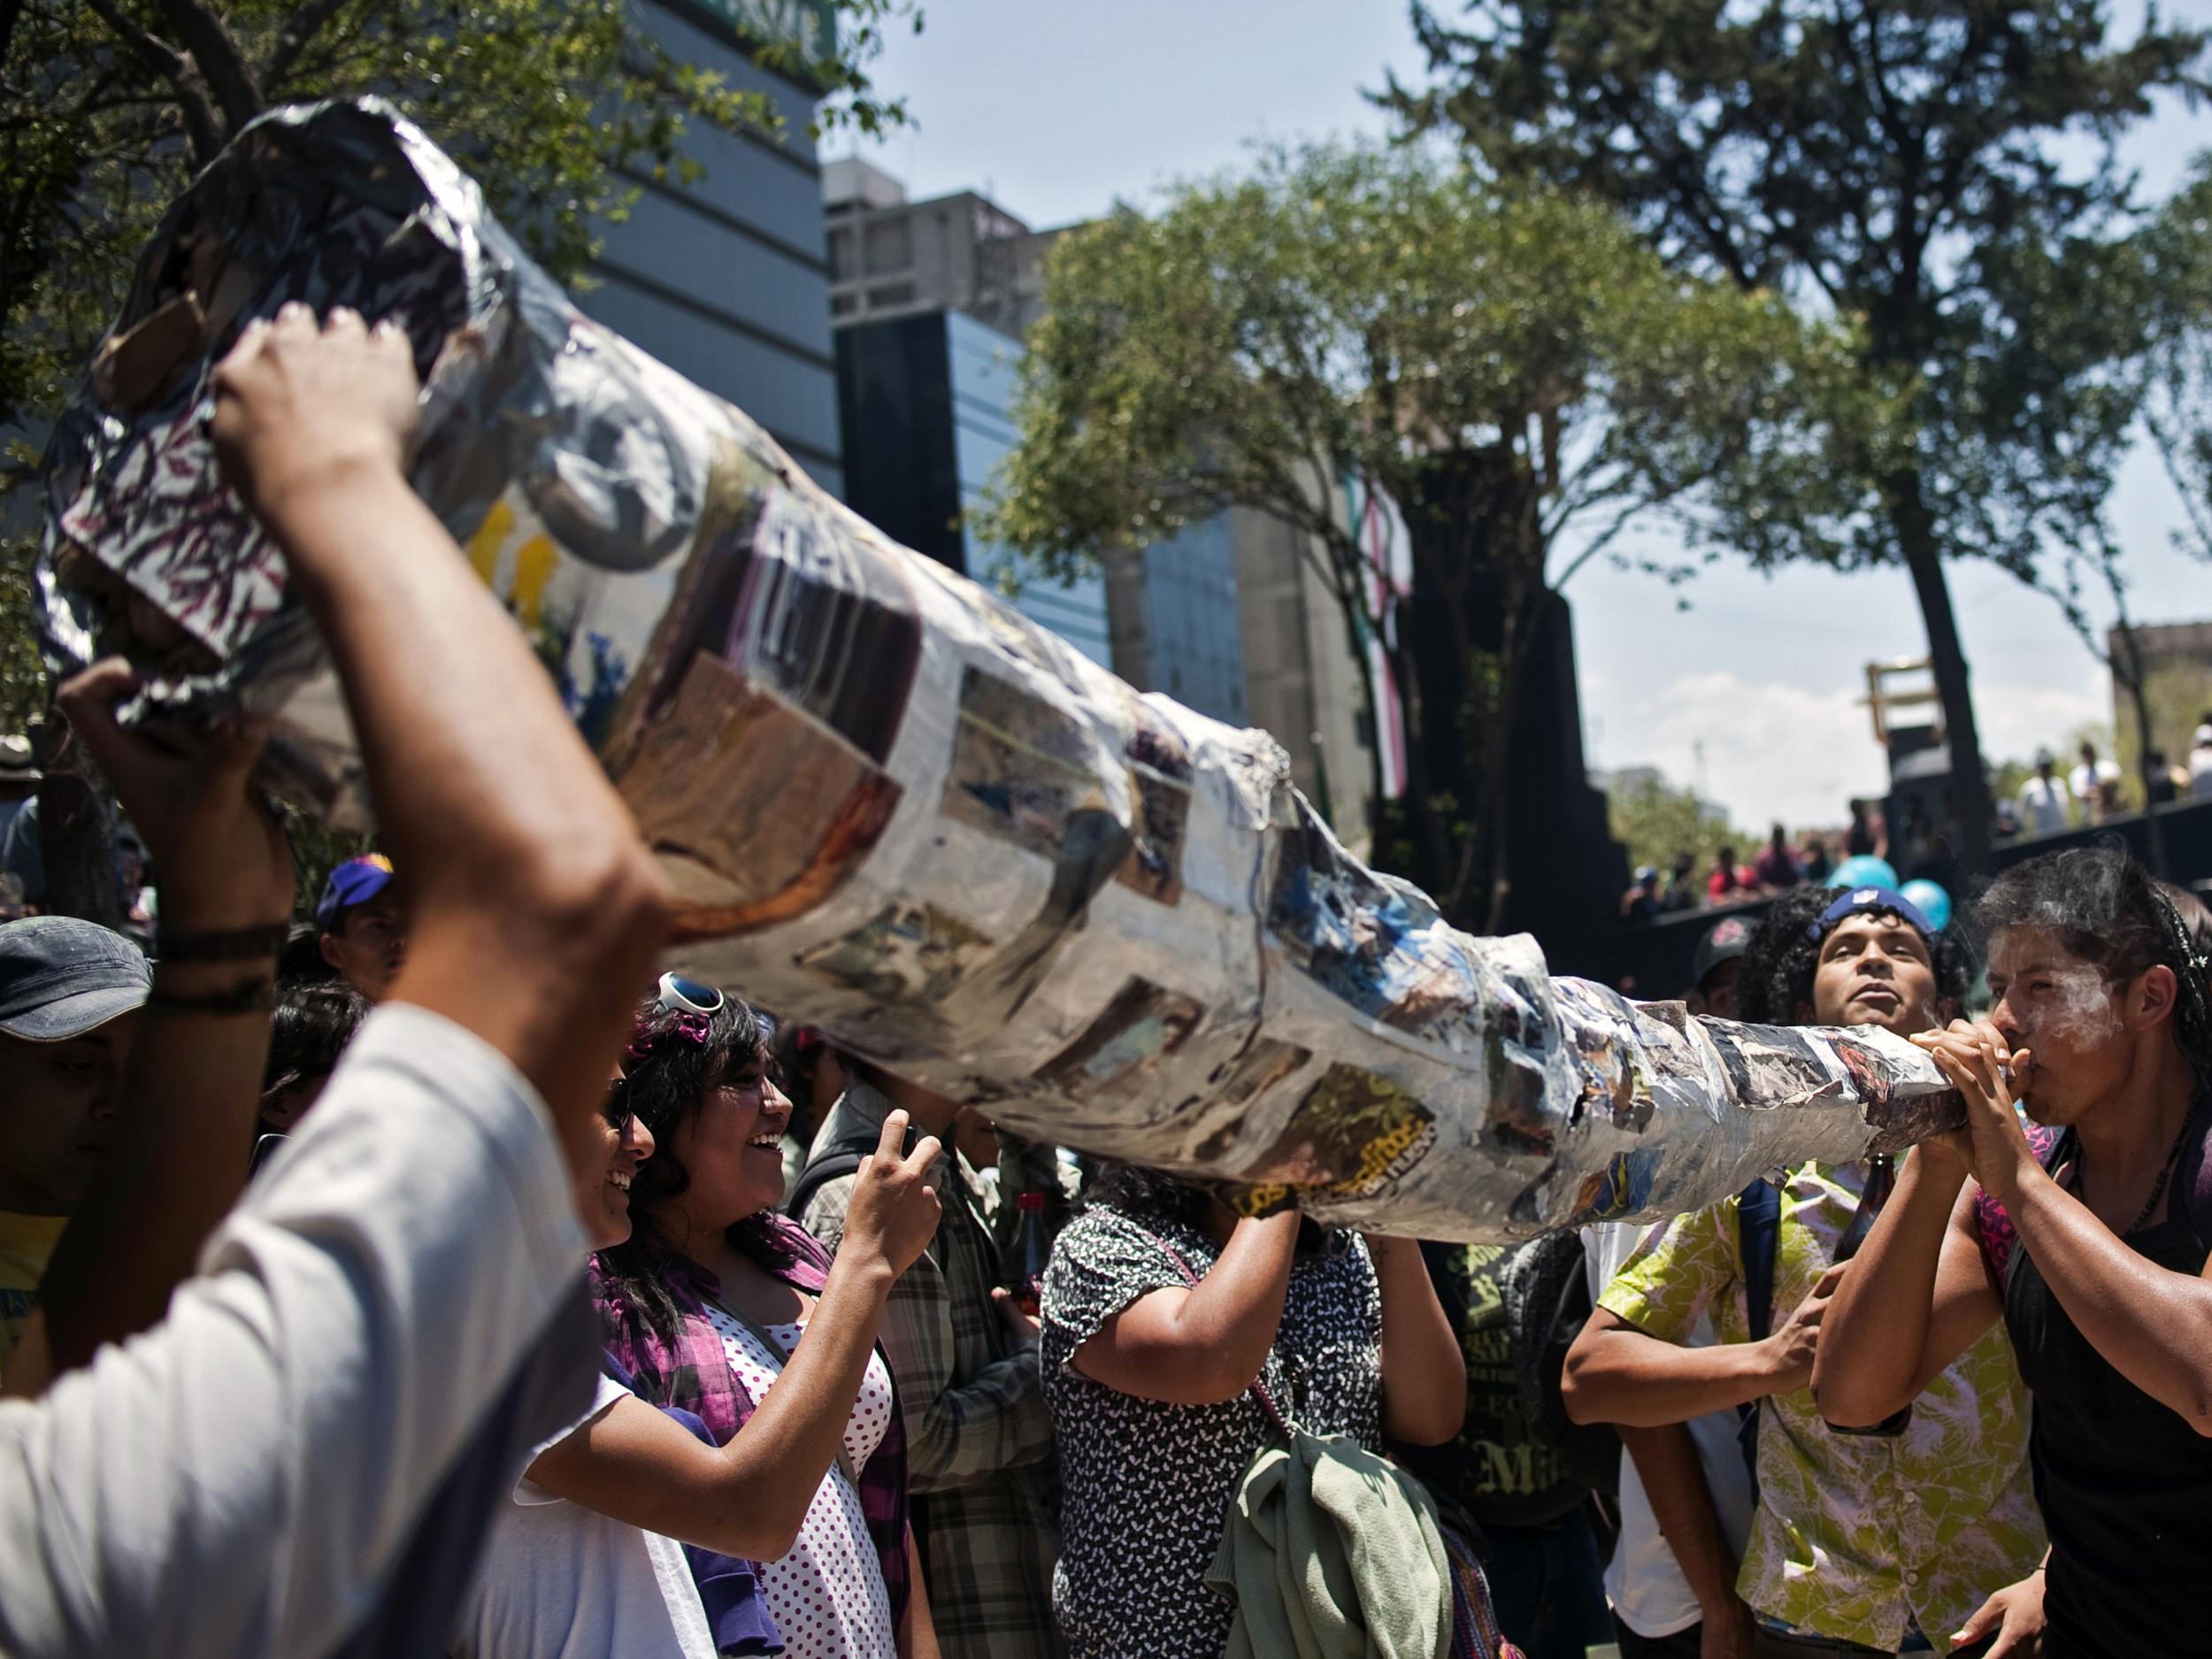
x=2043, y=805
x=1643, y=1581
x=560, y=1581
x=239, y=1480
x=2201, y=772
x=2085, y=785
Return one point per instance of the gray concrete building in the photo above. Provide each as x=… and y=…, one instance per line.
x=928, y=344
x=891, y=257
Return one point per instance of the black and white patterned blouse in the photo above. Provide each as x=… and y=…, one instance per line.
x=1147, y=1485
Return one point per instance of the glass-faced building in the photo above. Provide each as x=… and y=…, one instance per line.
x=927, y=403
x=724, y=279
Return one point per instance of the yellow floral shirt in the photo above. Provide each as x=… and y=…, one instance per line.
x=1856, y=1536
x=26, y=1242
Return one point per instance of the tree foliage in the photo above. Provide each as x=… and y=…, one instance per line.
x=1510, y=366
x=1896, y=159
x=1658, y=823
x=562, y=109
x=558, y=107
x=2178, y=364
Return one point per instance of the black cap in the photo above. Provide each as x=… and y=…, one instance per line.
x=1723, y=942
x=59, y=977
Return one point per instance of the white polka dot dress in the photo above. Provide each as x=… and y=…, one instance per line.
x=827, y=1596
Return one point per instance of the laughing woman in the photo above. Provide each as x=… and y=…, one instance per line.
x=718, y=1307
x=588, y=1560
x=2088, y=1239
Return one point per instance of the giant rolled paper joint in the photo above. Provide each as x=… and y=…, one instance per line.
x=891, y=806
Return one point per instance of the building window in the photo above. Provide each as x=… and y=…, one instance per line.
x=889, y=246
x=891, y=294
x=844, y=304
x=843, y=266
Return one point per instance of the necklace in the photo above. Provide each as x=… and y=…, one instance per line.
x=2158, y=1188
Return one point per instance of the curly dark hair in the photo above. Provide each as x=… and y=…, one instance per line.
x=1779, y=962
x=2110, y=912
x=675, y=1061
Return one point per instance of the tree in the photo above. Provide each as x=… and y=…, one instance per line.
x=108, y=107
x=1509, y=367
x=2094, y=559
x=1658, y=823
x=2178, y=362
x=558, y=107
x=1892, y=157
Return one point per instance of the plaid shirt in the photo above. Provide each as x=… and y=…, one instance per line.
x=693, y=1373
x=979, y=1440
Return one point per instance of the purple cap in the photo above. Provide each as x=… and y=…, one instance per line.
x=355, y=881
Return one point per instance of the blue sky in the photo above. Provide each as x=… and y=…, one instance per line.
x=1057, y=110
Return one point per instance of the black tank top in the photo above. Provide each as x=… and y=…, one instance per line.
x=2124, y=1483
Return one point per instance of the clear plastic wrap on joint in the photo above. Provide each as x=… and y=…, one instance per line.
x=891, y=806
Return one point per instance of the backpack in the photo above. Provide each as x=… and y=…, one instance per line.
x=1544, y=1301
x=1758, y=1238
x=842, y=1158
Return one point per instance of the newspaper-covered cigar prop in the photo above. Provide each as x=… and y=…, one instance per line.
x=891, y=806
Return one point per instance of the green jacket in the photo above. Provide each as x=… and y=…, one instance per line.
x=1333, y=1553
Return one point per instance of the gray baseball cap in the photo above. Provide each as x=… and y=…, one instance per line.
x=60, y=977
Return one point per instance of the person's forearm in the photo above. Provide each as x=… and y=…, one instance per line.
x=2151, y=1326
x=1228, y=1322
x=177, y=1162
x=1423, y=1371
x=1875, y=1334
x=918, y=1631
x=442, y=740
x=183, y=1128
x=1625, y=1377
x=957, y=1428
x=1681, y=1499
x=777, y=1459
x=996, y=1419
x=517, y=851
x=750, y=1497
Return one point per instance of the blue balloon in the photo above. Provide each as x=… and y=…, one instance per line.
x=1934, y=903
x=1864, y=870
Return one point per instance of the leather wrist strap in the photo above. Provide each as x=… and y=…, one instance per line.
x=254, y=996
x=232, y=944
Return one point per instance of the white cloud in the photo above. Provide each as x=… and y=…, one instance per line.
x=1775, y=751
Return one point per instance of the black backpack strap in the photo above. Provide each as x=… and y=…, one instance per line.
x=1758, y=1236
x=838, y=1161
x=1758, y=1233
x=2192, y=1183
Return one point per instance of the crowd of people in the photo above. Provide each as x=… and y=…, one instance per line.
x=2093, y=790
x=1778, y=864
x=2049, y=802
x=409, y=1282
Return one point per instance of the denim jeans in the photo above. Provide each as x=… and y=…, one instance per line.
x=1548, y=1588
